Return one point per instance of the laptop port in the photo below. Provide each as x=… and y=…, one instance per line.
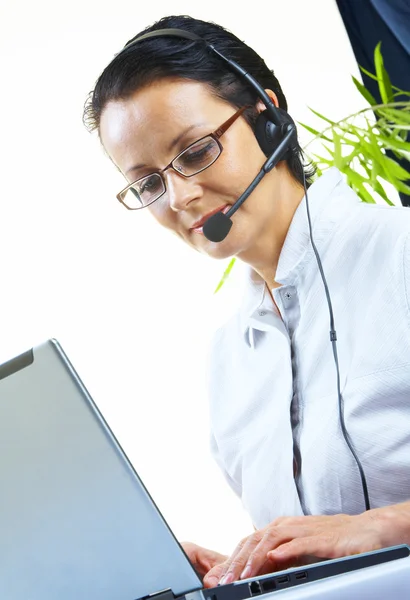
x=301, y=575
x=268, y=585
x=255, y=588
x=283, y=579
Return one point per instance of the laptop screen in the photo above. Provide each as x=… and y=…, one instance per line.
x=75, y=520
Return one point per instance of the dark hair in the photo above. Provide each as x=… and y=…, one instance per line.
x=160, y=57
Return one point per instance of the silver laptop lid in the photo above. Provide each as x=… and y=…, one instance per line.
x=75, y=520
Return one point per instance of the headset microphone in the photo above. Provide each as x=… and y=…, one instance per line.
x=217, y=227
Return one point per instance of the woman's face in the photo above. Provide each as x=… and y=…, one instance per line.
x=143, y=133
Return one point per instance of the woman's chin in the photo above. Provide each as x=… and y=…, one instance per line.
x=230, y=246
x=219, y=250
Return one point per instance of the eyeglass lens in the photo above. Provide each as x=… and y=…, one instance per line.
x=197, y=157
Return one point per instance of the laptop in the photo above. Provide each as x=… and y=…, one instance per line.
x=76, y=521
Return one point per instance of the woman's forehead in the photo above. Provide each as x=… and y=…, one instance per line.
x=165, y=102
x=155, y=115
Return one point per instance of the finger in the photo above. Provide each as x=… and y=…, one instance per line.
x=238, y=560
x=273, y=538
x=239, y=548
x=202, y=559
x=227, y=563
x=222, y=569
x=271, y=566
x=213, y=577
x=191, y=550
x=322, y=546
x=210, y=559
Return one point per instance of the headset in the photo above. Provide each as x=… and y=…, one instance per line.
x=276, y=134
x=275, y=131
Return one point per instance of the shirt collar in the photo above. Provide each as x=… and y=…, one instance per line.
x=295, y=252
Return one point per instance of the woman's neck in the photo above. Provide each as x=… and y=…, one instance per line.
x=263, y=257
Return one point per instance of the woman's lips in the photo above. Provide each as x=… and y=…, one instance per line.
x=199, y=224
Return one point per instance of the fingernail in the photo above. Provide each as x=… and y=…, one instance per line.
x=246, y=572
x=228, y=578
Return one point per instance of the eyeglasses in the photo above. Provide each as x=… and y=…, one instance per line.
x=195, y=158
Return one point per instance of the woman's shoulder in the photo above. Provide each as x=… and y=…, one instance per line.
x=377, y=224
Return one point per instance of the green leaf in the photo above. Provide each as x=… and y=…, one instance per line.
x=225, y=275
x=323, y=160
x=374, y=173
x=365, y=195
x=357, y=182
x=385, y=88
x=372, y=148
x=382, y=192
x=330, y=151
x=399, y=92
x=391, y=171
x=337, y=156
x=321, y=116
x=377, y=186
x=365, y=166
x=396, y=170
x=315, y=132
x=371, y=75
x=395, y=144
x=394, y=114
x=373, y=153
x=401, y=133
x=393, y=129
x=402, y=187
x=353, y=154
x=364, y=92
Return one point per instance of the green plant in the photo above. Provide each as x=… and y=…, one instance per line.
x=357, y=144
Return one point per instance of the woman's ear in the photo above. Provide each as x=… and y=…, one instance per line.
x=260, y=107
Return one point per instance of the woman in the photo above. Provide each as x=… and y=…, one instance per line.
x=323, y=469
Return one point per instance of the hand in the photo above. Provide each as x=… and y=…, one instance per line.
x=293, y=541
x=202, y=559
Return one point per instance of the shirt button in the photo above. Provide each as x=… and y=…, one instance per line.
x=262, y=313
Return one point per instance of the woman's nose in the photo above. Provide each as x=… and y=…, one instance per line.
x=181, y=190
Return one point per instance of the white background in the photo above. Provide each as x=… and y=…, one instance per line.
x=131, y=306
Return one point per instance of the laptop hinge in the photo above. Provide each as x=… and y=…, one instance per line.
x=162, y=595
x=169, y=595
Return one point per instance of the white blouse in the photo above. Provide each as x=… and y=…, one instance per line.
x=275, y=429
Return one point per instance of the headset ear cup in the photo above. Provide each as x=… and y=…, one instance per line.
x=269, y=135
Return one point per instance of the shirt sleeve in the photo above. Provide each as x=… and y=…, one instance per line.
x=216, y=456
x=215, y=370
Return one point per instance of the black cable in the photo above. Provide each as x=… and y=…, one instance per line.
x=333, y=338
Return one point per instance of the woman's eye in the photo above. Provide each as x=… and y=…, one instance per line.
x=198, y=153
x=151, y=184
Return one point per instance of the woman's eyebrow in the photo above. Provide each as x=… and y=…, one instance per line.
x=179, y=137
x=172, y=145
